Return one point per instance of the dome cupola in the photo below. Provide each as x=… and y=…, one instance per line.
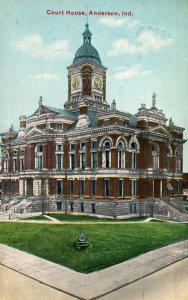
x=87, y=53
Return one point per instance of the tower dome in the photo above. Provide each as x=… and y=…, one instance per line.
x=87, y=52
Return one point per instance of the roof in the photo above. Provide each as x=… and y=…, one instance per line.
x=87, y=53
x=64, y=112
x=92, y=118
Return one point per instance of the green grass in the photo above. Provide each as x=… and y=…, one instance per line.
x=82, y=218
x=108, y=244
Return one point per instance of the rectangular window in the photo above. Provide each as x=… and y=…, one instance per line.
x=72, y=147
x=133, y=160
x=133, y=208
x=106, y=122
x=5, y=186
x=93, y=144
x=133, y=188
x=13, y=186
x=59, y=187
x=21, y=164
x=83, y=160
x=59, y=147
x=82, y=207
x=59, y=126
x=59, y=161
x=72, y=161
x=39, y=162
x=94, y=160
x=177, y=187
x=82, y=146
x=93, y=206
x=93, y=187
x=82, y=187
x=71, y=187
x=120, y=187
x=107, y=187
x=59, y=206
x=121, y=159
x=107, y=158
x=72, y=206
x=14, y=165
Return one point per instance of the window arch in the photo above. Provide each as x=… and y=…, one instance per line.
x=106, y=153
x=178, y=156
x=155, y=156
x=168, y=157
x=6, y=161
x=39, y=157
x=121, y=153
x=133, y=147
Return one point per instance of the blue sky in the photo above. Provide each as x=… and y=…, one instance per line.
x=144, y=53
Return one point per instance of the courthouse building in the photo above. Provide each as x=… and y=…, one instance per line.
x=89, y=156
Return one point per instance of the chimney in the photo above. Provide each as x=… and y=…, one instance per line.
x=23, y=120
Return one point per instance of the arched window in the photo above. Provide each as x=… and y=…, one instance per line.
x=168, y=158
x=178, y=156
x=155, y=156
x=133, y=155
x=121, y=154
x=39, y=157
x=106, y=154
x=6, y=162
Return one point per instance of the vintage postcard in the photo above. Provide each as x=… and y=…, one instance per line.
x=93, y=163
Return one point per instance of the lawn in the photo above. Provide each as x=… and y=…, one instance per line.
x=109, y=244
x=82, y=218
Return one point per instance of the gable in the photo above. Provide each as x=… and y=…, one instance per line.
x=43, y=110
x=160, y=130
x=34, y=132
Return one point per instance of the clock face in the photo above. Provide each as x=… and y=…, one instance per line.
x=75, y=82
x=98, y=83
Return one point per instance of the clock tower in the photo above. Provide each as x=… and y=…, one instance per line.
x=87, y=77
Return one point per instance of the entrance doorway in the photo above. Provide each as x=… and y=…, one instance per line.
x=29, y=187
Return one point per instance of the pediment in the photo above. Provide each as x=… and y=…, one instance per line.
x=43, y=110
x=34, y=132
x=160, y=130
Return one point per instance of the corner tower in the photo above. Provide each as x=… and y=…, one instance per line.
x=87, y=77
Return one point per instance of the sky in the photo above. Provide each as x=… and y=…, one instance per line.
x=144, y=52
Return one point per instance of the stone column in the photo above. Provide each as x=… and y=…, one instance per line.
x=25, y=184
x=161, y=188
x=37, y=187
x=21, y=187
x=46, y=187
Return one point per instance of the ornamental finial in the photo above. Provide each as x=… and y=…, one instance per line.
x=40, y=101
x=154, y=99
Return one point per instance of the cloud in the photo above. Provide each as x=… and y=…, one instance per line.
x=34, y=46
x=124, y=73
x=113, y=22
x=45, y=76
x=146, y=41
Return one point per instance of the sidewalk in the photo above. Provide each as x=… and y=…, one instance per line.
x=96, y=284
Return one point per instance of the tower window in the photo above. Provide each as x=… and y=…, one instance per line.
x=86, y=80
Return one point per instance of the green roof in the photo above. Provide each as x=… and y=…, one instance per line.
x=87, y=52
